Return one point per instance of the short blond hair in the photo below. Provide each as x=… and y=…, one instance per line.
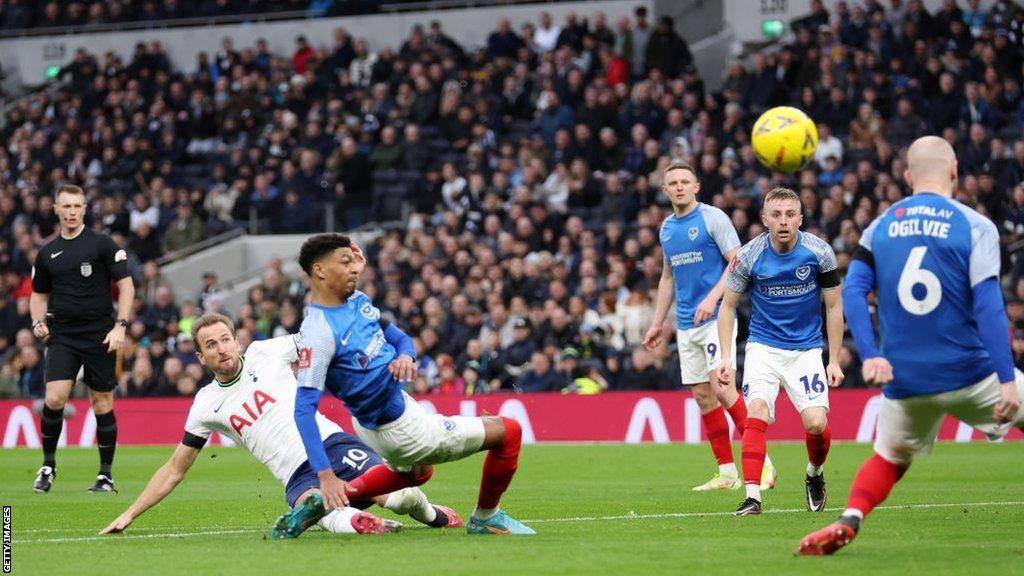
x=677, y=165
x=209, y=320
x=780, y=193
x=68, y=189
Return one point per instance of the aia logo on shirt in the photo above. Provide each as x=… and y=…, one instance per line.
x=305, y=357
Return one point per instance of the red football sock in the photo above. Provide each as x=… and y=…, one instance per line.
x=754, y=447
x=738, y=411
x=718, y=435
x=817, y=446
x=380, y=479
x=873, y=483
x=500, y=465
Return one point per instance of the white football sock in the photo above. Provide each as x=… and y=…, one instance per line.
x=484, y=513
x=412, y=502
x=853, y=512
x=728, y=470
x=767, y=461
x=754, y=491
x=813, y=470
x=339, y=521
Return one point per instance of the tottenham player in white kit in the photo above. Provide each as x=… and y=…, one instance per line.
x=788, y=274
x=698, y=241
x=934, y=266
x=251, y=401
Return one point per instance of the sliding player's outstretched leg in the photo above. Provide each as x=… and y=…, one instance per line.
x=502, y=440
x=294, y=522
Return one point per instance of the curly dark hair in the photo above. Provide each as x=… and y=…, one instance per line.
x=319, y=246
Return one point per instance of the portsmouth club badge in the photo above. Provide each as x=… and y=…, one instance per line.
x=86, y=269
x=693, y=233
x=803, y=272
x=369, y=312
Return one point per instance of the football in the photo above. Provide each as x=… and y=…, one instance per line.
x=784, y=139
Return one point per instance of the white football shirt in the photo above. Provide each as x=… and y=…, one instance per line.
x=256, y=410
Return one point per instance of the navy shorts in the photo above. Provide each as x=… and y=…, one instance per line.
x=349, y=457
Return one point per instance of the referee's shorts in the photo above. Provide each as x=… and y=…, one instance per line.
x=67, y=353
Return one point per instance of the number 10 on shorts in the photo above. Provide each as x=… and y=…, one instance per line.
x=817, y=385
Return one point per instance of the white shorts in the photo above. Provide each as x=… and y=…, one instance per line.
x=420, y=438
x=699, y=351
x=908, y=426
x=800, y=372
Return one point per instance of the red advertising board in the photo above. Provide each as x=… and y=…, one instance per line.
x=629, y=417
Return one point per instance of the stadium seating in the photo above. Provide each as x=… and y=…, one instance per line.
x=518, y=228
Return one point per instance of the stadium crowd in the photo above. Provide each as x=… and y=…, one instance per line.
x=26, y=14
x=524, y=175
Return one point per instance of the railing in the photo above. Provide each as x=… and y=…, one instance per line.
x=453, y=4
x=151, y=24
x=200, y=246
x=391, y=7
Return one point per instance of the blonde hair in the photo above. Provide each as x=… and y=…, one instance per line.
x=209, y=320
x=678, y=165
x=780, y=193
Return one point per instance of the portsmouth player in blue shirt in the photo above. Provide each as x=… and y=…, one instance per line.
x=347, y=351
x=788, y=274
x=934, y=266
x=697, y=242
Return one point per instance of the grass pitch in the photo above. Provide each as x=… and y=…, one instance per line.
x=597, y=509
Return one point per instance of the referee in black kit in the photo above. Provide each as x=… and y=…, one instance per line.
x=71, y=311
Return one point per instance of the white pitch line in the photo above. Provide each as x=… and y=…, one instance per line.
x=779, y=511
x=119, y=537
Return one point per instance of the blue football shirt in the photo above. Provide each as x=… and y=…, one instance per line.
x=929, y=252
x=343, y=351
x=784, y=290
x=694, y=245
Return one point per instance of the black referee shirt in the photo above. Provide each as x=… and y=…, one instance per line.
x=76, y=274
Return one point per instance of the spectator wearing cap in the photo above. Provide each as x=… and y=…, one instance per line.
x=183, y=231
x=475, y=383
x=580, y=377
x=185, y=349
x=539, y=376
